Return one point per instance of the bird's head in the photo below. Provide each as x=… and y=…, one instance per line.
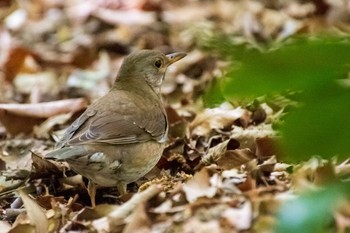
x=149, y=65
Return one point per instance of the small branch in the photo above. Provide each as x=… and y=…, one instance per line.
x=127, y=208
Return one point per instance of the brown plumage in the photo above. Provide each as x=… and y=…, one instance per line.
x=120, y=137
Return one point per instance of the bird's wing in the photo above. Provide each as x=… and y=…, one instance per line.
x=75, y=126
x=129, y=124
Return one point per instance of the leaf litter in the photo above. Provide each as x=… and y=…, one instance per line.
x=220, y=171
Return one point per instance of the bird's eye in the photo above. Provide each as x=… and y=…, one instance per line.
x=158, y=63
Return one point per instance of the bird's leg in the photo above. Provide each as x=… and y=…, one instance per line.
x=92, y=193
x=121, y=188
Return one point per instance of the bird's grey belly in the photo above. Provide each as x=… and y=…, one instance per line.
x=109, y=165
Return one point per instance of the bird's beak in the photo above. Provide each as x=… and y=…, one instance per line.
x=174, y=57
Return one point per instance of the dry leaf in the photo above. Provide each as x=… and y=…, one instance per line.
x=196, y=225
x=23, y=228
x=116, y=217
x=236, y=182
x=99, y=211
x=21, y=118
x=47, y=109
x=35, y=213
x=44, y=166
x=239, y=218
x=215, y=118
x=4, y=227
x=343, y=169
x=44, y=129
x=199, y=186
x=216, y=152
x=235, y=158
x=13, y=62
x=247, y=137
x=90, y=78
x=177, y=124
x=16, y=153
x=266, y=147
x=139, y=221
x=43, y=82
x=131, y=17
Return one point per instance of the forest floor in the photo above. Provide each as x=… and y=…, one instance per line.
x=220, y=170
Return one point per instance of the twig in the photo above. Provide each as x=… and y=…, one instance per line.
x=127, y=208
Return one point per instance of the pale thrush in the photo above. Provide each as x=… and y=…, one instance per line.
x=120, y=137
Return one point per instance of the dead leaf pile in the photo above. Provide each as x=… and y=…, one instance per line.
x=221, y=170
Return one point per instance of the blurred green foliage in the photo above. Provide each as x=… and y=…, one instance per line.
x=312, y=212
x=214, y=94
x=302, y=64
x=311, y=67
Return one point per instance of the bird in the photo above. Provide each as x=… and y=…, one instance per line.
x=121, y=136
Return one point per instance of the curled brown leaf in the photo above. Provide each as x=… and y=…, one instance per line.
x=20, y=118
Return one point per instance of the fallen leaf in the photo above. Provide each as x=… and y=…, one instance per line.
x=139, y=221
x=247, y=136
x=216, y=152
x=21, y=118
x=7, y=185
x=235, y=158
x=16, y=153
x=23, y=228
x=199, y=186
x=99, y=211
x=44, y=82
x=89, y=78
x=35, y=213
x=43, y=166
x=48, y=200
x=116, y=218
x=4, y=227
x=216, y=118
x=177, y=124
x=16, y=19
x=231, y=179
x=239, y=218
x=196, y=225
x=44, y=129
x=266, y=147
x=131, y=17
x=13, y=60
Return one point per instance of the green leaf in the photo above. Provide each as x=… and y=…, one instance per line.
x=302, y=65
x=320, y=127
x=213, y=96
x=311, y=212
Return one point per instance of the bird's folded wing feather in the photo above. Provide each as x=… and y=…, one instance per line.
x=116, y=127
